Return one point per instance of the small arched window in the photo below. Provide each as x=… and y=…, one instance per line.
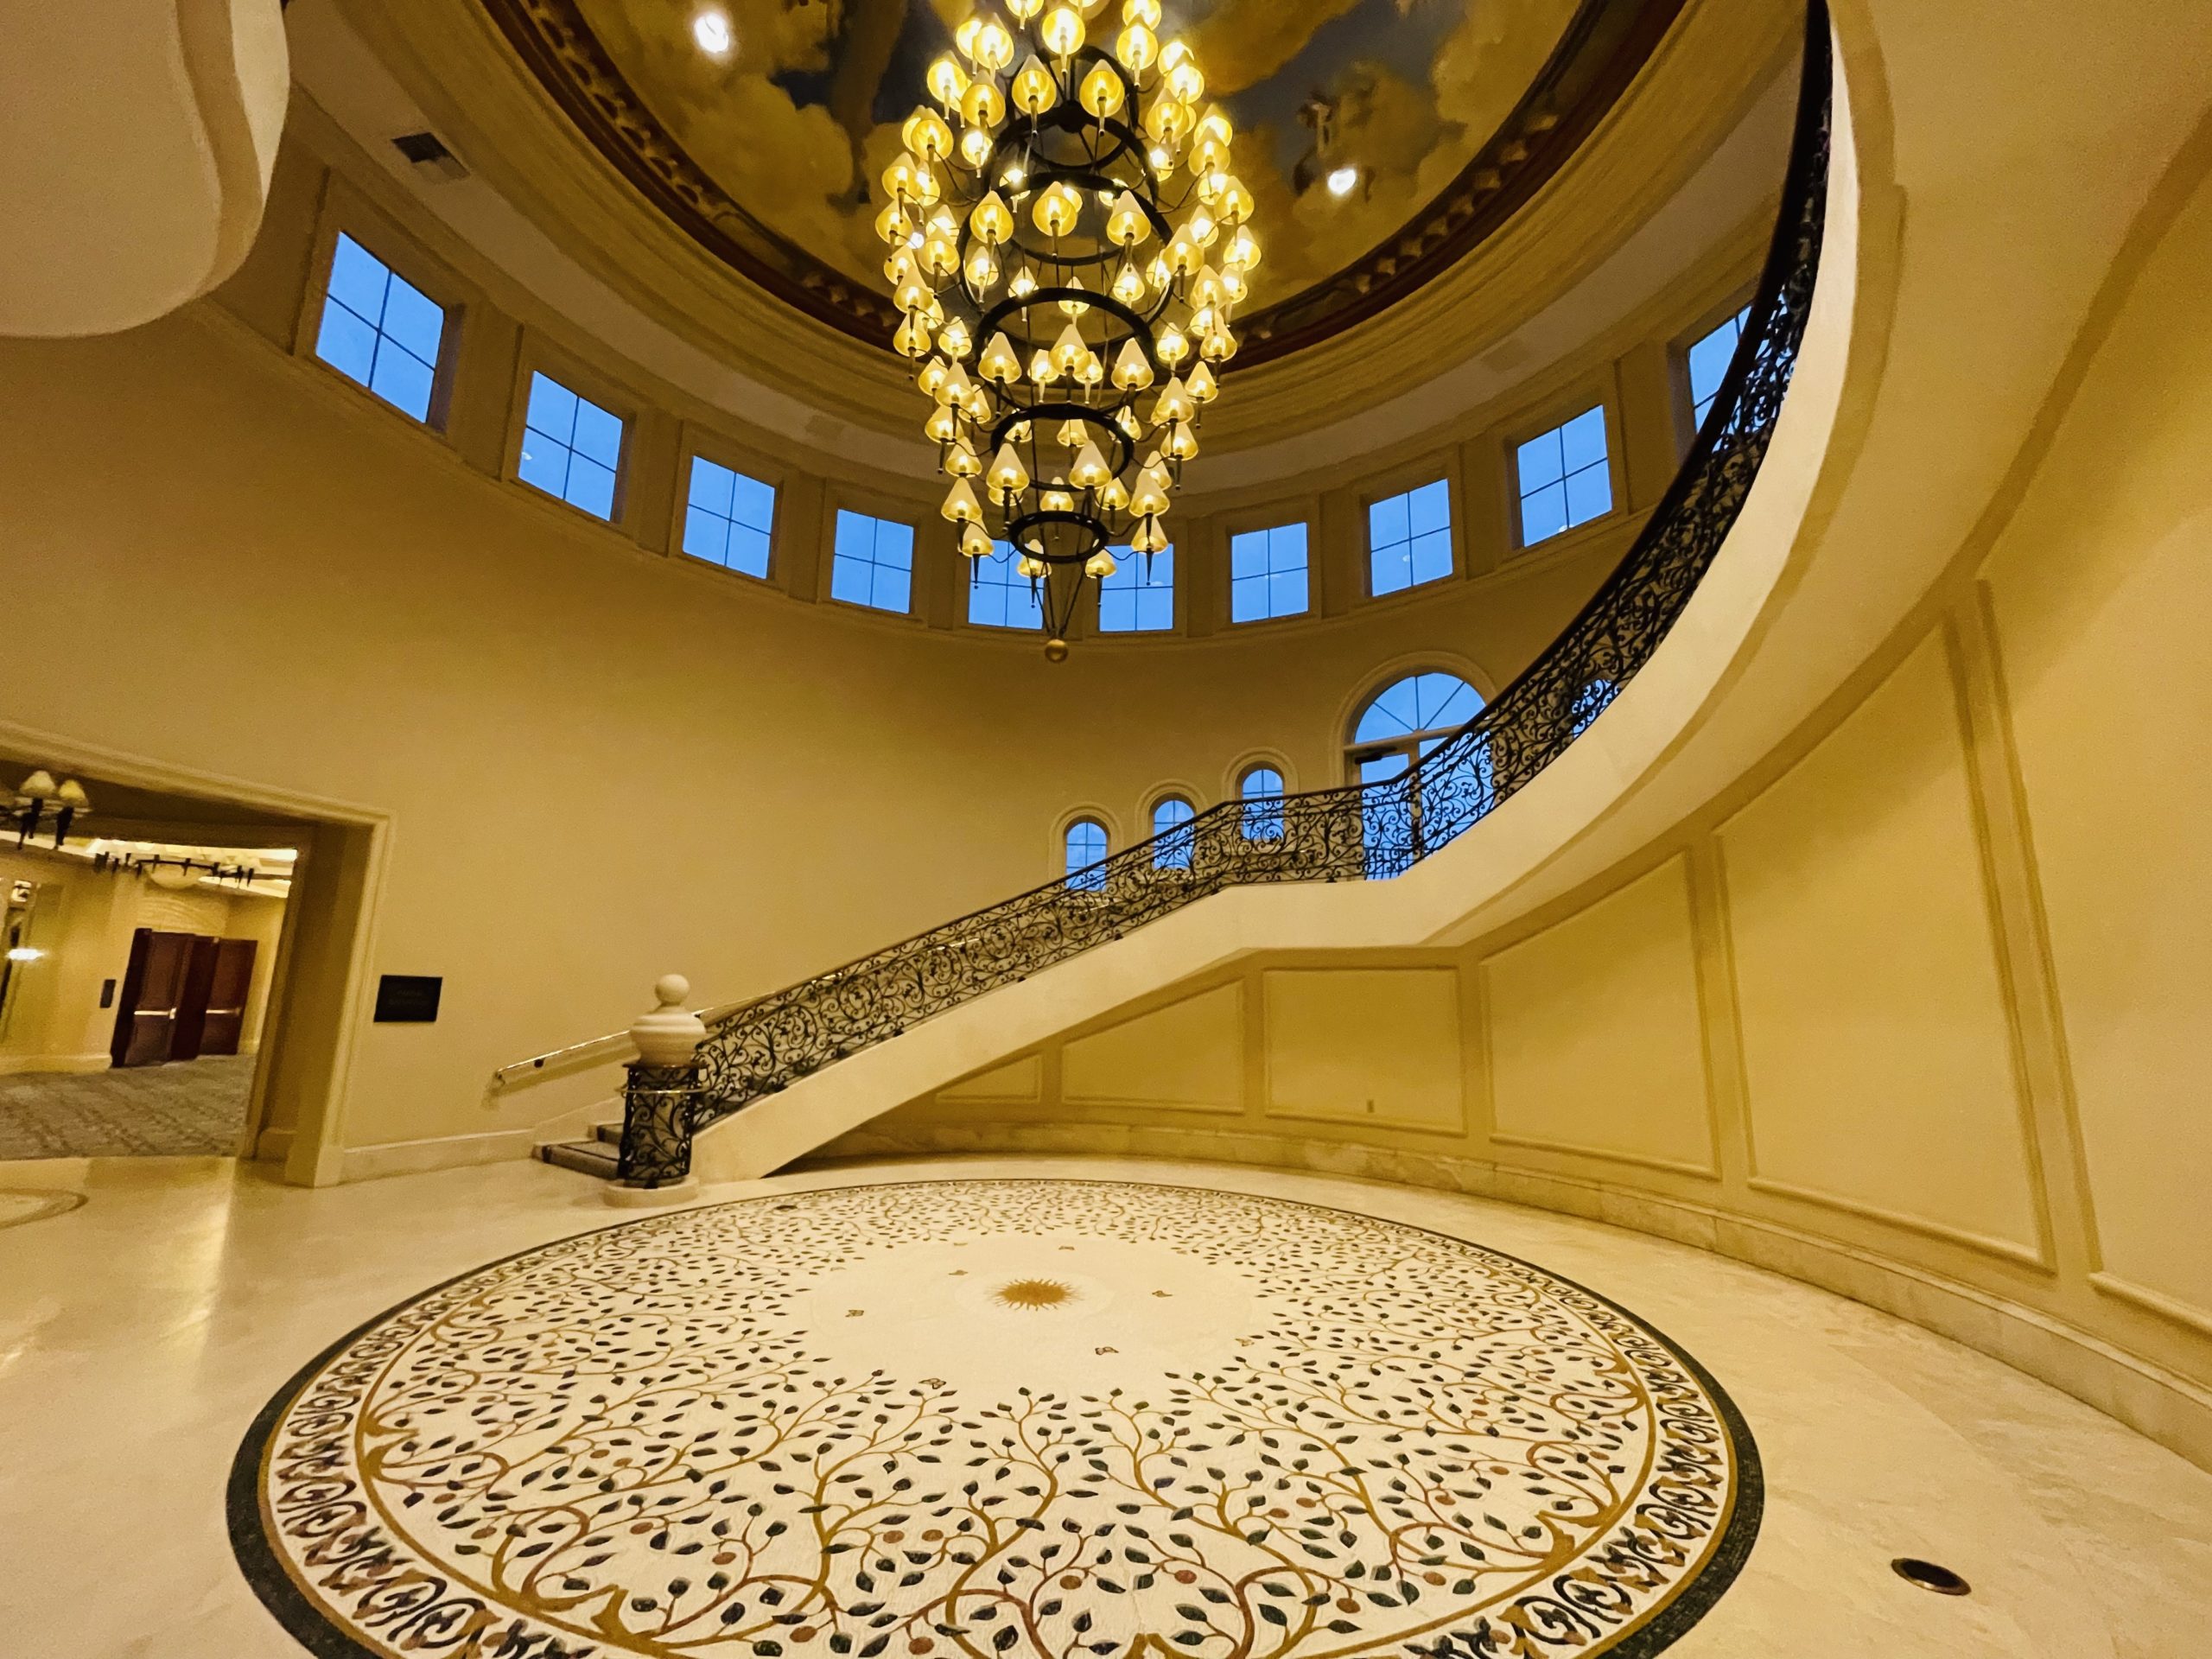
x=1407, y=719
x=1086, y=849
x=1261, y=790
x=1173, y=840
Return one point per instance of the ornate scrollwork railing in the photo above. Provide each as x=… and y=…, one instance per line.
x=1363, y=832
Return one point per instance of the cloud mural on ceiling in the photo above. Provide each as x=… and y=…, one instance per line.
x=802, y=117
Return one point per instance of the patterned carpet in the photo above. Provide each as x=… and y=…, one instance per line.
x=999, y=1419
x=193, y=1108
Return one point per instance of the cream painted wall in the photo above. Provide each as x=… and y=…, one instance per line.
x=1878, y=1053
x=1593, y=1029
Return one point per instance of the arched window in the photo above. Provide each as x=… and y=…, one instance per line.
x=1261, y=790
x=1086, y=845
x=1406, y=720
x=1172, y=837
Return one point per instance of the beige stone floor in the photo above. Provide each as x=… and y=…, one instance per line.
x=140, y=1332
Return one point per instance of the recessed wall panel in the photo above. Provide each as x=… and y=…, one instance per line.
x=1877, y=1043
x=1022, y=1080
x=1369, y=1046
x=1595, y=1039
x=1189, y=1055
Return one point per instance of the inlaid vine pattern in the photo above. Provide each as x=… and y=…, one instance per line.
x=641, y=1441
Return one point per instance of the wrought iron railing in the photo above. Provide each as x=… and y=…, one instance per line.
x=1365, y=832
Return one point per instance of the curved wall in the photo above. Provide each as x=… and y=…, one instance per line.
x=586, y=761
x=1916, y=1010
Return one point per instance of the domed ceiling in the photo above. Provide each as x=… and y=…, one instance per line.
x=1382, y=138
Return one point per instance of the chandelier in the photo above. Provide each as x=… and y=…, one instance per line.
x=1068, y=247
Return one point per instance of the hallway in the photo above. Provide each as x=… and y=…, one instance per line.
x=195, y=1109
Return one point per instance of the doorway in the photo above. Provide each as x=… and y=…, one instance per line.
x=150, y=946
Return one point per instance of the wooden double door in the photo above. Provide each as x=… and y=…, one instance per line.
x=183, y=996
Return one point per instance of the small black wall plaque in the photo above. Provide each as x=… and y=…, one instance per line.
x=107, y=993
x=408, y=998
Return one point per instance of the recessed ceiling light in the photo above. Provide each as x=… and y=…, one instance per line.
x=712, y=30
x=1343, y=180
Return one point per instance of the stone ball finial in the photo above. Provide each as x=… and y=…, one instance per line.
x=669, y=1035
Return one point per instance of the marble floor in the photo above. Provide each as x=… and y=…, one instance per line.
x=143, y=1331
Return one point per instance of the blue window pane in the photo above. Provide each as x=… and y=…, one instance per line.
x=706, y=535
x=1409, y=539
x=1247, y=555
x=728, y=518
x=1261, y=790
x=749, y=550
x=1543, y=515
x=753, y=504
x=1421, y=703
x=1086, y=847
x=1432, y=556
x=552, y=409
x=591, y=486
x=1173, y=840
x=1709, y=359
x=544, y=463
x=1388, y=522
x=380, y=331
x=873, y=563
x=599, y=435
x=358, y=280
x=402, y=381
x=414, y=321
x=1566, y=479
x=1248, y=599
x=711, y=486
x=1135, y=599
x=1268, y=574
x=1286, y=594
x=1541, y=462
x=998, y=597
x=1589, y=495
x=1383, y=768
x=1583, y=439
x=346, y=343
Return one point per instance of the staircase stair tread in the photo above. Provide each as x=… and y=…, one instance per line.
x=586, y=1157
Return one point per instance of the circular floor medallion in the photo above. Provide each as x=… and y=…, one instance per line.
x=999, y=1419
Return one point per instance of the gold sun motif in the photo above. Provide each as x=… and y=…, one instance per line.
x=1033, y=1293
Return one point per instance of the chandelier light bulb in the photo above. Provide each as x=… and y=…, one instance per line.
x=1068, y=349
x=1100, y=565
x=1150, y=538
x=1132, y=370
x=954, y=340
x=993, y=46
x=1007, y=475
x=1149, y=498
x=975, y=542
x=1127, y=223
x=1126, y=418
x=1173, y=347
x=1000, y=365
x=1075, y=307
x=1041, y=370
x=912, y=339
x=984, y=269
x=1024, y=283
x=943, y=425
x=927, y=136
x=1114, y=497
x=961, y=505
x=1023, y=11
x=961, y=461
x=993, y=220
x=1218, y=346
x=976, y=145
x=1129, y=283
x=932, y=378
x=983, y=104
x=1242, y=254
x=1091, y=471
x=1142, y=11
x=1200, y=386
x=1063, y=31
x=1138, y=49
x=1057, y=500
x=947, y=81
x=1034, y=89
x=1102, y=92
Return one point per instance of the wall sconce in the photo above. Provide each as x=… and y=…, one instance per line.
x=42, y=803
x=25, y=953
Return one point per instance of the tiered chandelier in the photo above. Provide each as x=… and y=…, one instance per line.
x=1068, y=316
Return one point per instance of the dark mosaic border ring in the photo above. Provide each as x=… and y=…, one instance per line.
x=312, y=1628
